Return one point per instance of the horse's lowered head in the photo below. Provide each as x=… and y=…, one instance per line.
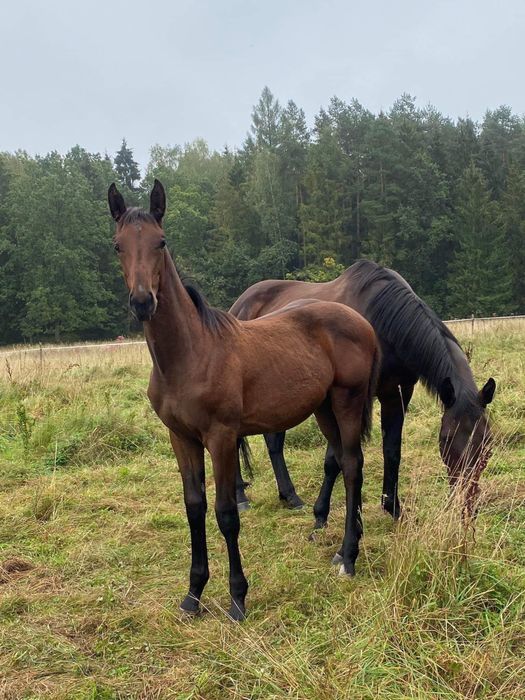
x=465, y=437
x=139, y=242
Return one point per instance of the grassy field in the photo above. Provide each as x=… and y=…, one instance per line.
x=94, y=554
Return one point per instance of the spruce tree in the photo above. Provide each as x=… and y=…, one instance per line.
x=126, y=167
x=480, y=280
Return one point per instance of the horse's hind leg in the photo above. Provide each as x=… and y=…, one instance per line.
x=287, y=493
x=331, y=472
x=243, y=502
x=190, y=458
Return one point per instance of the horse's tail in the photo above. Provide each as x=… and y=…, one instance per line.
x=366, y=419
x=245, y=456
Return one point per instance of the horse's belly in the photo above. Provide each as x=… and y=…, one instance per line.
x=279, y=406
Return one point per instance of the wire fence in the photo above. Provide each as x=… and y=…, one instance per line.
x=492, y=323
x=473, y=324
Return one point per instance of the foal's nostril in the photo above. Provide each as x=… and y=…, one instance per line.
x=141, y=298
x=143, y=305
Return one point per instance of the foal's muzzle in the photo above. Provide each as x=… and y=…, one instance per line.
x=143, y=305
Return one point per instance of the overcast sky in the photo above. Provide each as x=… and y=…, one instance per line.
x=169, y=71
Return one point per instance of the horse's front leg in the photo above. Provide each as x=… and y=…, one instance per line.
x=393, y=409
x=222, y=446
x=190, y=458
x=287, y=493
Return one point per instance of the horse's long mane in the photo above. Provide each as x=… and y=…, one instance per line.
x=418, y=336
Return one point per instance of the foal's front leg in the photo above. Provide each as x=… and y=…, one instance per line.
x=190, y=457
x=222, y=447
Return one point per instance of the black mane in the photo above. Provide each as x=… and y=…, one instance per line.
x=420, y=339
x=214, y=319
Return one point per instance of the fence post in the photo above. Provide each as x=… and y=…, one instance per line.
x=472, y=324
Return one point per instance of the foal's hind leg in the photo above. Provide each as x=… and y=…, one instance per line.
x=190, y=458
x=328, y=425
x=222, y=446
x=348, y=411
x=287, y=493
x=322, y=504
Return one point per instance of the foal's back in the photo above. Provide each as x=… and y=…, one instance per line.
x=297, y=353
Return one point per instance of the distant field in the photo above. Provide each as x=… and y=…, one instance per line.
x=94, y=553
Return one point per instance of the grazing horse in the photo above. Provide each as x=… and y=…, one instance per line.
x=415, y=344
x=216, y=379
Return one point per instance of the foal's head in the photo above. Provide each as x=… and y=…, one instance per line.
x=465, y=437
x=140, y=242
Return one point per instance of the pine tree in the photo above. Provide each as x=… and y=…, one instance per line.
x=479, y=282
x=513, y=221
x=126, y=168
x=500, y=137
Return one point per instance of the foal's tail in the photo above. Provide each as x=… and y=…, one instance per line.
x=366, y=420
x=245, y=456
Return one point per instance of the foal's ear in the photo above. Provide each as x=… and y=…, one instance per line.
x=157, y=201
x=487, y=393
x=447, y=393
x=117, y=205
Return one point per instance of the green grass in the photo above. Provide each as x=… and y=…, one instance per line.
x=94, y=555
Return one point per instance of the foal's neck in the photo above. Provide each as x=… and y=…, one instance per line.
x=174, y=334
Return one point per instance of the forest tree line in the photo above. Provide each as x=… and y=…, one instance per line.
x=440, y=201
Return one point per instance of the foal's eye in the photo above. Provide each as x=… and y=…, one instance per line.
x=117, y=248
x=162, y=244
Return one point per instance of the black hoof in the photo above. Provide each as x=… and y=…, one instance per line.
x=190, y=605
x=292, y=502
x=318, y=525
x=237, y=612
x=243, y=505
x=391, y=507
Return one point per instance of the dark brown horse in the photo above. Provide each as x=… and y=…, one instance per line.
x=415, y=345
x=216, y=379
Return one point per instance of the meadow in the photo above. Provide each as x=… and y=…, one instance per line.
x=95, y=552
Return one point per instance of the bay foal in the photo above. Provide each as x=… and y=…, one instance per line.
x=216, y=379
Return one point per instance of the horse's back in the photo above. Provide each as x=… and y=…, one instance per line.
x=332, y=315
x=270, y=295
x=306, y=326
x=354, y=288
